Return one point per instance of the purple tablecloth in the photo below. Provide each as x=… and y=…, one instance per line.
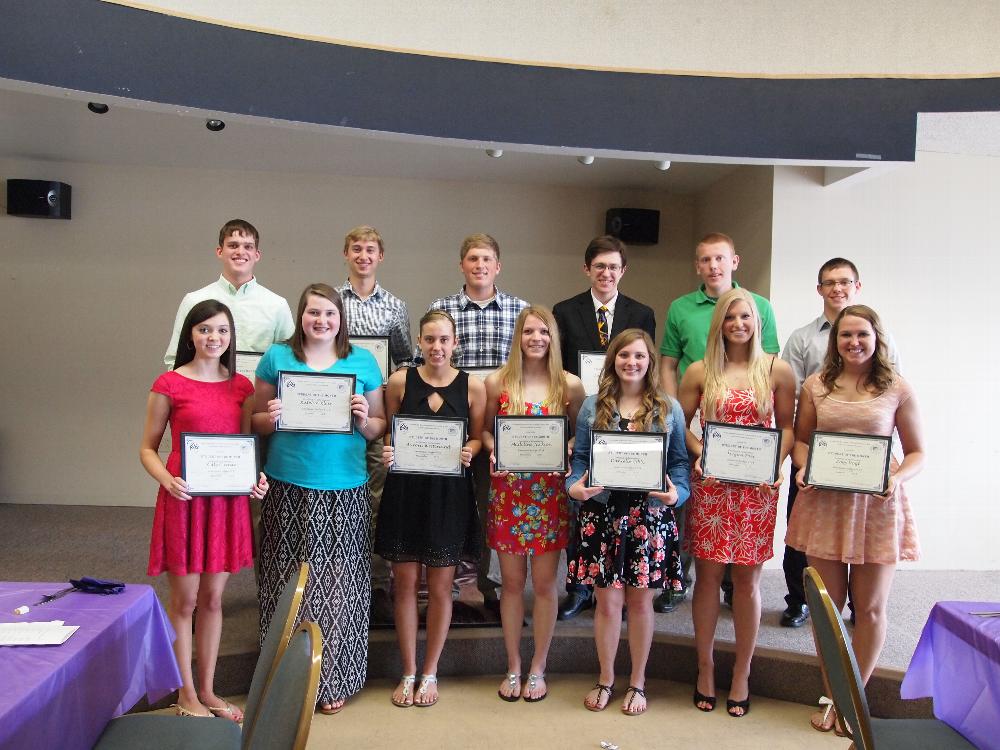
x=63, y=696
x=957, y=663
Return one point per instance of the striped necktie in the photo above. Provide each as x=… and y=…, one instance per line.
x=602, y=326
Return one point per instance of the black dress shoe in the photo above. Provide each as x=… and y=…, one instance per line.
x=727, y=597
x=794, y=616
x=665, y=602
x=574, y=603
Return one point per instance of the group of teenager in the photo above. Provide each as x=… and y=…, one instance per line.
x=330, y=499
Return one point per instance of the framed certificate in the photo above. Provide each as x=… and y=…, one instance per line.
x=526, y=443
x=634, y=461
x=481, y=372
x=740, y=453
x=379, y=347
x=591, y=365
x=246, y=364
x=219, y=464
x=848, y=462
x=315, y=401
x=428, y=445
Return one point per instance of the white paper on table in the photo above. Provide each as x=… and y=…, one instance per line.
x=51, y=633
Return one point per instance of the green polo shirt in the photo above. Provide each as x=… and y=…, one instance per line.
x=688, y=320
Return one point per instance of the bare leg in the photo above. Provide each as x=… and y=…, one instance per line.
x=640, y=638
x=439, y=582
x=406, y=576
x=543, y=581
x=183, y=599
x=870, y=584
x=705, y=615
x=513, y=572
x=208, y=633
x=746, y=622
x=607, y=633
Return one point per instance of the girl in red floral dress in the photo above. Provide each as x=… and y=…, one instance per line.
x=529, y=513
x=737, y=383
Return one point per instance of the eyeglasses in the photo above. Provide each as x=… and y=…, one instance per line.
x=601, y=267
x=843, y=283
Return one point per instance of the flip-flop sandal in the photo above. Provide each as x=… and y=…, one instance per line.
x=332, y=708
x=221, y=712
x=531, y=685
x=181, y=711
x=425, y=680
x=601, y=689
x=513, y=681
x=629, y=697
x=406, y=681
x=825, y=725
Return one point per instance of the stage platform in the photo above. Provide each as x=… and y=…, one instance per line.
x=56, y=543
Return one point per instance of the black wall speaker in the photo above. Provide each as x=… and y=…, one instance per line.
x=39, y=199
x=633, y=226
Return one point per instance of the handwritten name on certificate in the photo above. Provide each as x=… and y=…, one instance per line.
x=428, y=445
x=741, y=454
x=531, y=443
x=849, y=462
x=219, y=464
x=315, y=402
x=628, y=460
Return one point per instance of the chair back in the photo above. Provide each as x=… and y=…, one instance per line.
x=278, y=632
x=289, y=702
x=837, y=657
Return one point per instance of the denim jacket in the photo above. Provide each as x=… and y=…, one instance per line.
x=678, y=467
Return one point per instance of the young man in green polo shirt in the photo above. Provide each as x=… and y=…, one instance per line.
x=685, y=336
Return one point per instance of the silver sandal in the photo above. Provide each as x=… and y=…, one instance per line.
x=425, y=680
x=406, y=681
x=513, y=681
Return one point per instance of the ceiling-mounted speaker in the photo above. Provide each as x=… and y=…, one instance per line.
x=633, y=226
x=39, y=199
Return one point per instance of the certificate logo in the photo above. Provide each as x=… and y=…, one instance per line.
x=505, y=427
x=452, y=430
x=715, y=435
x=193, y=446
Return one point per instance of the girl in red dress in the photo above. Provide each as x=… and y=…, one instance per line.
x=529, y=513
x=198, y=541
x=736, y=382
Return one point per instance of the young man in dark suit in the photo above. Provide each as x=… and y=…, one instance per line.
x=587, y=322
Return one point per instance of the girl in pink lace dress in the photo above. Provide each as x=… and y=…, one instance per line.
x=198, y=541
x=529, y=513
x=856, y=539
x=738, y=383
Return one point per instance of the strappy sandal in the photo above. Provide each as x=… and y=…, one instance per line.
x=629, y=697
x=702, y=698
x=531, y=685
x=225, y=712
x=181, y=711
x=406, y=681
x=824, y=724
x=601, y=689
x=513, y=681
x=425, y=681
x=743, y=705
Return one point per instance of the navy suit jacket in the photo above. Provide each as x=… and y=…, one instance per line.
x=578, y=325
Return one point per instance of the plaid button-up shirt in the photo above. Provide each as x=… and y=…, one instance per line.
x=381, y=314
x=484, y=333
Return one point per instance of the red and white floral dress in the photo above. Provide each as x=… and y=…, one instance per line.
x=728, y=522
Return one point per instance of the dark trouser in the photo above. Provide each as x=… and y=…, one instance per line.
x=572, y=551
x=794, y=562
x=481, y=480
x=376, y=481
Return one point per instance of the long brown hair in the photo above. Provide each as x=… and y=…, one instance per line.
x=654, y=405
x=715, y=389
x=199, y=314
x=341, y=345
x=882, y=374
x=511, y=375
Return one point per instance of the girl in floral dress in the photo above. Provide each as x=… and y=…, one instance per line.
x=628, y=540
x=529, y=513
x=738, y=383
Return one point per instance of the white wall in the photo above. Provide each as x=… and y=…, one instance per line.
x=925, y=238
x=87, y=305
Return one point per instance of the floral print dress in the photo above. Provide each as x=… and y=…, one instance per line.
x=528, y=513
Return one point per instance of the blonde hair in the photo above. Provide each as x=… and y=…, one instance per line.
x=654, y=406
x=511, y=375
x=716, y=390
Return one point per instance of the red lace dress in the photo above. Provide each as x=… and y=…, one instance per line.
x=204, y=534
x=727, y=522
x=528, y=513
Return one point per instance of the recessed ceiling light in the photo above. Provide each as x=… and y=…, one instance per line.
x=98, y=108
x=215, y=125
x=494, y=153
x=662, y=165
x=586, y=160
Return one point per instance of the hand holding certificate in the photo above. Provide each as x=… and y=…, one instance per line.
x=526, y=444
x=632, y=461
x=219, y=464
x=740, y=454
x=849, y=462
x=315, y=402
x=428, y=445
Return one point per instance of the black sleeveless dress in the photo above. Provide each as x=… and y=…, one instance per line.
x=429, y=519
